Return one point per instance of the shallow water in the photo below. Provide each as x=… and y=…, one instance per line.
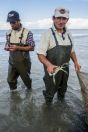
x=26, y=111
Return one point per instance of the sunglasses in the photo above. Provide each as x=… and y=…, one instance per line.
x=13, y=22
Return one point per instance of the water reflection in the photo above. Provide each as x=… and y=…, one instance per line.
x=28, y=112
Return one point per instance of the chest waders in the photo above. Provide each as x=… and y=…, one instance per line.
x=59, y=56
x=19, y=65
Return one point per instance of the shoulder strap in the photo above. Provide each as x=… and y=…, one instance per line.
x=21, y=36
x=8, y=36
x=70, y=40
x=54, y=36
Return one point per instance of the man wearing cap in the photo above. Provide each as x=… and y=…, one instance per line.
x=19, y=43
x=54, y=52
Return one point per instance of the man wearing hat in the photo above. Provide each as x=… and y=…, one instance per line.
x=54, y=52
x=19, y=43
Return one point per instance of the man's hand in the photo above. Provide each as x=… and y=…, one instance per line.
x=51, y=68
x=77, y=67
x=13, y=48
x=74, y=59
x=6, y=47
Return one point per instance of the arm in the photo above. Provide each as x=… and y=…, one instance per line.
x=73, y=55
x=50, y=67
x=43, y=60
x=75, y=61
x=20, y=48
x=42, y=51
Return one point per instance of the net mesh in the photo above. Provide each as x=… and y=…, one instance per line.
x=83, y=81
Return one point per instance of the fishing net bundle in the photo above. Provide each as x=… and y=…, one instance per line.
x=83, y=81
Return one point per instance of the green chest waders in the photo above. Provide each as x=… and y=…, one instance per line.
x=19, y=65
x=59, y=55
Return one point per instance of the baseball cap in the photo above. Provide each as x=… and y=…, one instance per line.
x=13, y=16
x=61, y=12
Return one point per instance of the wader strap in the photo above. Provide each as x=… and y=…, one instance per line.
x=70, y=40
x=8, y=36
x=19, y=44
x=21, y=36
x=54, y=36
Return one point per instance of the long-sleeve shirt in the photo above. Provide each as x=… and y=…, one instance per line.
x=30, y=40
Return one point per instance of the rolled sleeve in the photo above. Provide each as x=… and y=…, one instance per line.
x=30, y=41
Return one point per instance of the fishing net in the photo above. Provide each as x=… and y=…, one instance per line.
x=83, y=81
